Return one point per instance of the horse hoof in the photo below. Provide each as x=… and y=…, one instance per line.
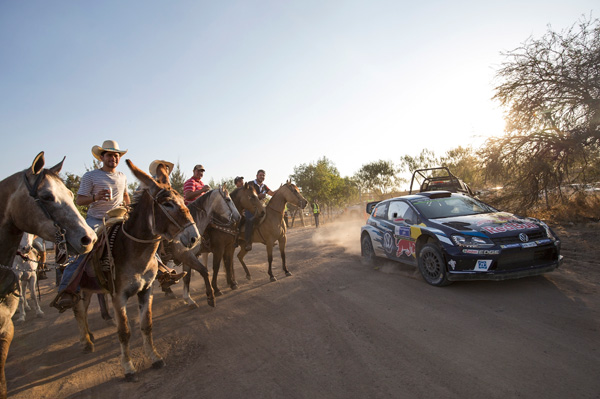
x=211, y=302
x=234, y=286
x=273, y=279
x=131, y=377
x=248, y=277
x=159, y=364
x=218, y=293
x=288, y=274
x=88, y=348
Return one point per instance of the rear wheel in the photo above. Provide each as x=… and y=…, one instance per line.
x=367, y=251
x=432, y=265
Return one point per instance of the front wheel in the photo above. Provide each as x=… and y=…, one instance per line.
x=366, y=250
x=432, y=266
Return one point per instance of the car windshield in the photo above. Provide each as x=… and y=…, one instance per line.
x=434, y=208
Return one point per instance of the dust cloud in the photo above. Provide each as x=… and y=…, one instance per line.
x=343, y=232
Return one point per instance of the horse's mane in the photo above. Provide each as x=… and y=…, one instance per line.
x=199, y=202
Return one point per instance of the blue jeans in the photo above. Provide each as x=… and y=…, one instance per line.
x=74, y=266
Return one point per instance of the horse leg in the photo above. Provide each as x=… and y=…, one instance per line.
x=186, y=286
x=103, y=302
x=192, y=261
x=270, y=260
x=217, y=255
x=282, y=242
x=6, y=335
x=22, y=300
x=145, y=306
x=34, y=299
x=86, y=338
x=119, y=301
x=240, y=257
x=7, y=331
x=228, y=262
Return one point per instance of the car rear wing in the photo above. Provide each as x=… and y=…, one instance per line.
x=370, y=206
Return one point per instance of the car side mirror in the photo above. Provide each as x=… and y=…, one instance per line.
x=408, y=221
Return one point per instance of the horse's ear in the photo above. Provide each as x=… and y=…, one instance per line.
x=56, y=168
x=140, y=175
x=38, y=163
x=162, y=175
x=288, y=181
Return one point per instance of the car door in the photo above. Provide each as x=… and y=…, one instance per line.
x=402, y=216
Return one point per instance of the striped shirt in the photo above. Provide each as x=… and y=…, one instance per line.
x=191, y=185
x=94, y=181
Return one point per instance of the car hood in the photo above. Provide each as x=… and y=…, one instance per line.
x=489, y=224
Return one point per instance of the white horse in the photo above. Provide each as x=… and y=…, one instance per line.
x=25, y=267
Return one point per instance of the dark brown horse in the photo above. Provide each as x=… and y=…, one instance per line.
x=215, y=207
x=221, y=238
x=158, y=213
x=36, y=201
x=272, y=228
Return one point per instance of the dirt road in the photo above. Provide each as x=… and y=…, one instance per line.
x=338, y=329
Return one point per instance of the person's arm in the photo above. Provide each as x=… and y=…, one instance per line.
x=126, y=199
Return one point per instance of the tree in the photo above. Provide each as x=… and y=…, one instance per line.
x=379, y=177
x=551, y=88
x=177, y=179
x=322, y=180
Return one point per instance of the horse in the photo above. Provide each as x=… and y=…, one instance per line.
x=37, y=201
x=272, y=228
x=158, y=213
x=213, y=207
x=25, y=267
x=222, y=240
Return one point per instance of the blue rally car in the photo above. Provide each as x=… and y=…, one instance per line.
x=453, y=237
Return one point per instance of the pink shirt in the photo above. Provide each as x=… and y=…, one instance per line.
x=192, y=185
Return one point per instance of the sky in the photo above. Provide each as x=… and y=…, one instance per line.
x=243, y=85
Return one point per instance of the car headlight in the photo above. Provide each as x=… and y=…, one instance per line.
x=471, y=241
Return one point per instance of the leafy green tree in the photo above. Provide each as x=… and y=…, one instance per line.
x=72, y=182
x=378, y=177
x=321, y=180
x=177, y=179
x=551, y=89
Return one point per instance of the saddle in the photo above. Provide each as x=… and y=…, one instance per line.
x=98, y=264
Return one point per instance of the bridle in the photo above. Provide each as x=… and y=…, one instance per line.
x=155, y=202
x=230, y=222
x=62, y=253
x=296, y=193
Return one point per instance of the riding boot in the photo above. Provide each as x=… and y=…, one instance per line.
x=64, y=300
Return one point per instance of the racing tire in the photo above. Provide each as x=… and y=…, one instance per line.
x=432, y=266
x=367, y=252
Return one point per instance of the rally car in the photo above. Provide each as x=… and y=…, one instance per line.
x=452, y=236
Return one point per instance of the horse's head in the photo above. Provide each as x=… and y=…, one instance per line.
x=222, y=209
x=45, y=207
x=292, y=195
x=171, y=218
x=26, y=243
x=248, y=199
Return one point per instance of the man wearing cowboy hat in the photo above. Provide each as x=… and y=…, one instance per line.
x=101, y=190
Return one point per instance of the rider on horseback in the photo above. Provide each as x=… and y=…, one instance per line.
x=261, y=190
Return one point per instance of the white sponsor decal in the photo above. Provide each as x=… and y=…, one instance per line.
x=529, y=245
x=483, y=265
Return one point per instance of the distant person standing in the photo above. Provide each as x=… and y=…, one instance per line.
x=316, y=212
x=194, y=187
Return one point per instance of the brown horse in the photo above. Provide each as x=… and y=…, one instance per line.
x=214, y=207
x=222, y=239
x=158, y=213
x=272, y=228
x=36, y=201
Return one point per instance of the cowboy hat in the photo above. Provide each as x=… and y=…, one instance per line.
x=155, y=163
x=107, y=146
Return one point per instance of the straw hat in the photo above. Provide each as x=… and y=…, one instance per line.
x=155, y=163
x=108, y=145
